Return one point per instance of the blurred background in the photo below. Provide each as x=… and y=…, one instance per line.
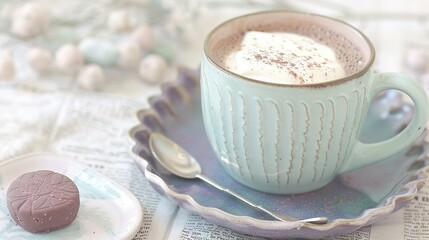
x=116, y=38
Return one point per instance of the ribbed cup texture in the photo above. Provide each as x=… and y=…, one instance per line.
x=281, y=139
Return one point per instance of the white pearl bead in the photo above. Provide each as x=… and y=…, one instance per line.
x=144, y=36
x=39, y=59
x=119, y=21
x=68, y=58
x=91, y=77
x=24, y=29
x=417, y=59
x=129, y=54
x=7, y=67
x=29, y=21
x=152, y=68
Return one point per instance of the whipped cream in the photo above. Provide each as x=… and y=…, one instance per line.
x=282, y=57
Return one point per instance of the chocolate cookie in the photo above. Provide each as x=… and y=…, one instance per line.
x=43, y=201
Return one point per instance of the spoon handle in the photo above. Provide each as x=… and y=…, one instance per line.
x=316, y=220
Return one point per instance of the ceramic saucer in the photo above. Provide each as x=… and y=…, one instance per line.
x=355, y=199
x=107, y=210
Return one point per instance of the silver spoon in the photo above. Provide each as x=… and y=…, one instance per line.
x=179, y=162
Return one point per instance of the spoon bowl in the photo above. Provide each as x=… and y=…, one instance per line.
x=173, y=157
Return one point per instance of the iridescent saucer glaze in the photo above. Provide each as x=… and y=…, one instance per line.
x=353, y=200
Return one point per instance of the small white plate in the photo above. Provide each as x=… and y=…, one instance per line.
x=107, y=210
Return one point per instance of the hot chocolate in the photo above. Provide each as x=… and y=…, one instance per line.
x=289, y=53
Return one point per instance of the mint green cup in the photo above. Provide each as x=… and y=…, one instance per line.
x=287, y=139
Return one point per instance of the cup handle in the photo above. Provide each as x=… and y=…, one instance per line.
x=367, y=153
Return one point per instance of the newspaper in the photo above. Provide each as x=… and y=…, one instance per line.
x=92, y=127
